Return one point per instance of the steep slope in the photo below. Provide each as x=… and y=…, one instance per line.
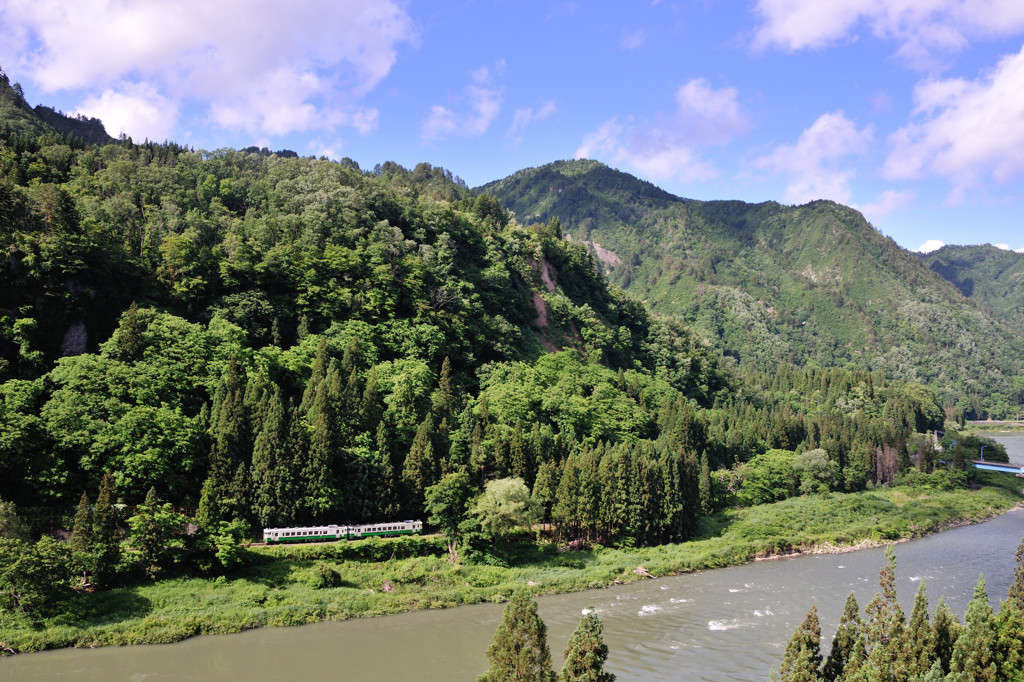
x=991, y=277
x=19, y=118
x=768, y=283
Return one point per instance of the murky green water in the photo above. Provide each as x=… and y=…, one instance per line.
x=728, y=624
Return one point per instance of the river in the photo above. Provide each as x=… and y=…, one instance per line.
x=727, y=624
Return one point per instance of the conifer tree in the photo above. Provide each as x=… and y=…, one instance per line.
x=1016, y=594
x=973, y=658
x=848, y=635
x=268, y=454
x=947, y=630
x=442, y=400
x=802, y=660
x=225, y=494
x=1008, y=649
x=316, y=376
x=81, y=531
x=129, y=334
x=520, y=647
x=586, y=652
x=918, y=650
x=885, y=622
x=106, y=537
x=417, y=473
x=315, y=478
x=704, y=487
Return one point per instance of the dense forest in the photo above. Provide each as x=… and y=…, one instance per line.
x=767, y=284
x=258, y=339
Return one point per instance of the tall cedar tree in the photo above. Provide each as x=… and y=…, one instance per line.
x=520, y=647
x=885, y=623
x=973, y=652
x=106, y=536
x=947, y=630
x=919, y=643
x=418, y=471
x=849, y=634
x=81, y=531
x=586, y=652
x=268, y=454
x=802, y=660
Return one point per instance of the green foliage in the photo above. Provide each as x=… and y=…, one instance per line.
x=802, y=659
x=153, y=530
x=33, y=576
x=448, y=504
x=768, y=478
x=505, y=504
x=586, y=652
x=520, y=647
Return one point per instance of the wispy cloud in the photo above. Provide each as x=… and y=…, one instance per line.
x=632, y=41
x=923, y=29
x=277, y=69
x=816, y=164
x=480, y=102
x=887, y=202
x=524, y=117
x=964, y=130
x=668, y=147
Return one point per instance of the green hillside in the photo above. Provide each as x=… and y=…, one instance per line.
x=767, y=283
x=992, y=278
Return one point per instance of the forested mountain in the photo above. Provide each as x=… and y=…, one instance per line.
x=285, y=340
x=769, y=284
x=991, y=277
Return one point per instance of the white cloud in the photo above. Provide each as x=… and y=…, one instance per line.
x=259, y=65
x=887, y=202
x=481, y=101
x=814, y=164
x=964, y=130
x=524, y=117
x=632, y=41
x=667, y=148
x=921, y=27
x=929, y=246
x=134, y=109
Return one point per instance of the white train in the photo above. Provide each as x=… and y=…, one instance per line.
x=274, y=536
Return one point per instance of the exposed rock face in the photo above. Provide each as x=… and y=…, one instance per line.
x=75, y=341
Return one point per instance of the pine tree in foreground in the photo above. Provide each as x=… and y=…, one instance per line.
x=849, y=634
x=802, y=660
x=586, y=652
x=520, y=647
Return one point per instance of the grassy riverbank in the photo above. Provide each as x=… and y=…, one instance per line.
x=283, y=585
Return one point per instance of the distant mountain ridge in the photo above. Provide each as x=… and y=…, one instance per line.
x=991, y=277
x=20, y=117
x=767, y=283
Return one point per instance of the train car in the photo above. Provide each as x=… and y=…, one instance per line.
x=276, y=536
x=387, y=528
x=273, y=536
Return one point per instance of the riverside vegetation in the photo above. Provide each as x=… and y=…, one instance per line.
x=224, y=341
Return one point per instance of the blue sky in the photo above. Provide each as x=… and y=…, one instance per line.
x=910, y=110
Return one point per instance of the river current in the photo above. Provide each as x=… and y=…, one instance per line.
x=726, y=624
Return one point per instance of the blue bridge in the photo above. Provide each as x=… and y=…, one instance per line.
x=998, y=466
